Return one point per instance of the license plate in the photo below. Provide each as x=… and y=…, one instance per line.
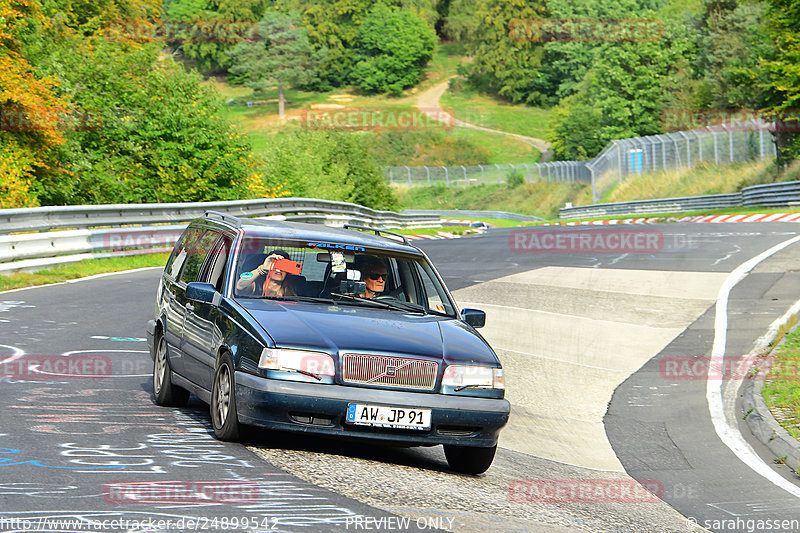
x=388, y=417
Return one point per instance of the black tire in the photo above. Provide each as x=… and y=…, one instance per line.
x=224, y=419
x=165, y=392
x=469, y=459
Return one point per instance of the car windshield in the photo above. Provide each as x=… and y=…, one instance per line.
x=348, y=275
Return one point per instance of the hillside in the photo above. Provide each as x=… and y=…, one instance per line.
x=544, y=199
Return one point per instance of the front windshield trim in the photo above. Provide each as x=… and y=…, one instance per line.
x=317, y=287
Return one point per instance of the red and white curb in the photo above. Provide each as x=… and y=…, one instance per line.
x=440, y=235
x=710, y=219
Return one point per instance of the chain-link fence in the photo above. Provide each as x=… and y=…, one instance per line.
x=723, y=144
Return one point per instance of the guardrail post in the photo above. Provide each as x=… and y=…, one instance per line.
x=409, y=175
x=446, y=177
x=465, y=175
x=428, y=170
x=483, y=178
x=688, y=150
x=716, y=147
x=730, y=140
x=699, y=144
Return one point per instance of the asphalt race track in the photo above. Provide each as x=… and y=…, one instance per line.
x=585, y=335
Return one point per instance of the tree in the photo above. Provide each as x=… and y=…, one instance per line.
x=30, y=110
x=279, y=54
x=224, y=23
x=328, y=165
x=394, y=45
x=732, y=40
x=624, y=93
x=503, y=64
x=782, y=71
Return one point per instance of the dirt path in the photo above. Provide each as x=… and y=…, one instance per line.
x=428, y=103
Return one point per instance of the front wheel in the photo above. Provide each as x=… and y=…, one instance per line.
x=165, y=392
x=469, y=459
x=223, y=401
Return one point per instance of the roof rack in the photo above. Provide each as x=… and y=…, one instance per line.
x=378, y=232
x=236, y=221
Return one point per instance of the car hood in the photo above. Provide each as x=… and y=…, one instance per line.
x=345, y=328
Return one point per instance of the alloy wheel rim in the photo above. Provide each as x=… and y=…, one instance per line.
x=161, y=366
x=223, y=394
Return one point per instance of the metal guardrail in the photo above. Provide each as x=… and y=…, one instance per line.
x=117, y=215
x=770, y=195
x=458, y=213
x=40, y=237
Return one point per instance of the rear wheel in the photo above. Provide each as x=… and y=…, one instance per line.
x=164, y=391
x=223, y=401
x=469, y=459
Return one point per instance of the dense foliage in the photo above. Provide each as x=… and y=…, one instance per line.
x=692, y=57
x=277, y=54
x=393, y=47
x=328, y=165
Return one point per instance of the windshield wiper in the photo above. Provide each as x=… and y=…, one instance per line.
x=380, y=303
x=308, y=299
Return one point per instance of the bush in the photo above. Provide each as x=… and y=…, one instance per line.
x=394, y=45
x=327, y=165
x=515, y=178
x=153, y=133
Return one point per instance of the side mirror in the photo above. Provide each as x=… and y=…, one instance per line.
x=474, y=317
x=201, y=292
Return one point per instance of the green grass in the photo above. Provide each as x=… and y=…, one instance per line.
x=541, y=199
x=502, y=149
x=443, y=64
x=699, y=180
x=545, y=199
x=81, y=269
x=489, y=112
x=782, y=385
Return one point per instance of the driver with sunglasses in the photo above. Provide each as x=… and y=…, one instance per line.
x=374, y=278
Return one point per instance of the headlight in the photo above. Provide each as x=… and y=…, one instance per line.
x=463, y=376
x=314, y=364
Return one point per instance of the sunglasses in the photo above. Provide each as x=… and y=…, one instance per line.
x=377, y=276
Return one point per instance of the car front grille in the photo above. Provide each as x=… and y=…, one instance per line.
x=399, y=372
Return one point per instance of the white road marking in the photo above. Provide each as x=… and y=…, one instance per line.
x=729, y=435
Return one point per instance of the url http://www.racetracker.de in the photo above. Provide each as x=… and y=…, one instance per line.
x=199, y=523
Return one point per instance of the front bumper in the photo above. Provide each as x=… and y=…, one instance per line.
x=321, y=409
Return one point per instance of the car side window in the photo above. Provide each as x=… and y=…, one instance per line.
x=178, y=258
x=214, y=269
x=436, y=300
x=197, y=256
